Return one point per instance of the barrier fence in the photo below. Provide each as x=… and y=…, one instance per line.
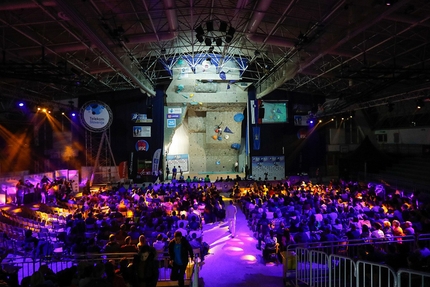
x=318, y=269
x=22, y=267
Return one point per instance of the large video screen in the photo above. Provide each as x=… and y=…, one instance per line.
x=274, y=112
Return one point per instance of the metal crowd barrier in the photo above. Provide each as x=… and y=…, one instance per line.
x=317, y=269
x=375, y=275
x=26, y=266
x=407, y=278
x=347, y=248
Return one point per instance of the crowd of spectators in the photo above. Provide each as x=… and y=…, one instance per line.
x=129, y=219
x=282, y=214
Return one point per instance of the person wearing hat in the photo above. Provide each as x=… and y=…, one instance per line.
x=179, y=249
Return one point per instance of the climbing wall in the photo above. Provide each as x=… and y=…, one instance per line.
x=212, y=131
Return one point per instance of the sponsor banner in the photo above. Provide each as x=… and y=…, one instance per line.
x=142, y=131
x=301, y=120
x=96, y=116
x=171, y=123
x=174, y=110
x=142, y=145
x=173, y=116
x=140, y=118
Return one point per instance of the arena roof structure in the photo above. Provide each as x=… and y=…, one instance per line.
x=353, y=54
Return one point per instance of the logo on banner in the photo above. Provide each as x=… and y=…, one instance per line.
x=171, y=123
x=173, y=116
x=174, y=110
x=96, y=116
x=142, y=145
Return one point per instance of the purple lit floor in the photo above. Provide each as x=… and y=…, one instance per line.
x=236, y=261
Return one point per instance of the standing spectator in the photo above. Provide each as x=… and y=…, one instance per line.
x=179, y=249
x=236, y=166
x=174, y=172
x=145, y=268
x=181, y=173
x=230, y=214
x=167, y=172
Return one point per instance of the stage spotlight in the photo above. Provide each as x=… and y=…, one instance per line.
x=230, y=34
x=320, y=121
x=199, y=38
x=208, y=41
x=199, y=30
x=73, y=114
x=21, y=104
x=209, y=26
x=388, y=2
x=218, y=42
x=420, y=104
x=223, y=26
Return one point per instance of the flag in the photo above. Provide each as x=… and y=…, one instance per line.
x=122, y=170
x=256, y=137
x=156, y=161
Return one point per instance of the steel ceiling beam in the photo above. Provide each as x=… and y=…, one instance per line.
x=140, y=82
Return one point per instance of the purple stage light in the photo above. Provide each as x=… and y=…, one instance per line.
x=21, y=104
x=73, y=114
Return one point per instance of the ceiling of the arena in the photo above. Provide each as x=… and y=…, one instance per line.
x=353, y=54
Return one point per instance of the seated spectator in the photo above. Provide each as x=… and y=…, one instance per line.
x=194, y=224
x=271, y=244
x=182, y=229
x=397, y=230
x=423, y=250
x=112, y=246
x=134, y=234
x=365, y=232
x=142, y=242
x=128, y=246
x=115, y=279
x=377, y=233
x=122, y=233
x=328, y=235
x=388, y=232
x=409, y=230
x=159, y=244
x=353, y=234
x=79, y=246
x=92, y=247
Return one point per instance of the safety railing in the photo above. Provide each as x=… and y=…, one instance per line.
x=26, y=266
x=317, y=269
x=407, y=278
x=348, y=248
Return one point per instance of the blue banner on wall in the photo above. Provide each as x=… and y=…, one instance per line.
x=256, y=137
